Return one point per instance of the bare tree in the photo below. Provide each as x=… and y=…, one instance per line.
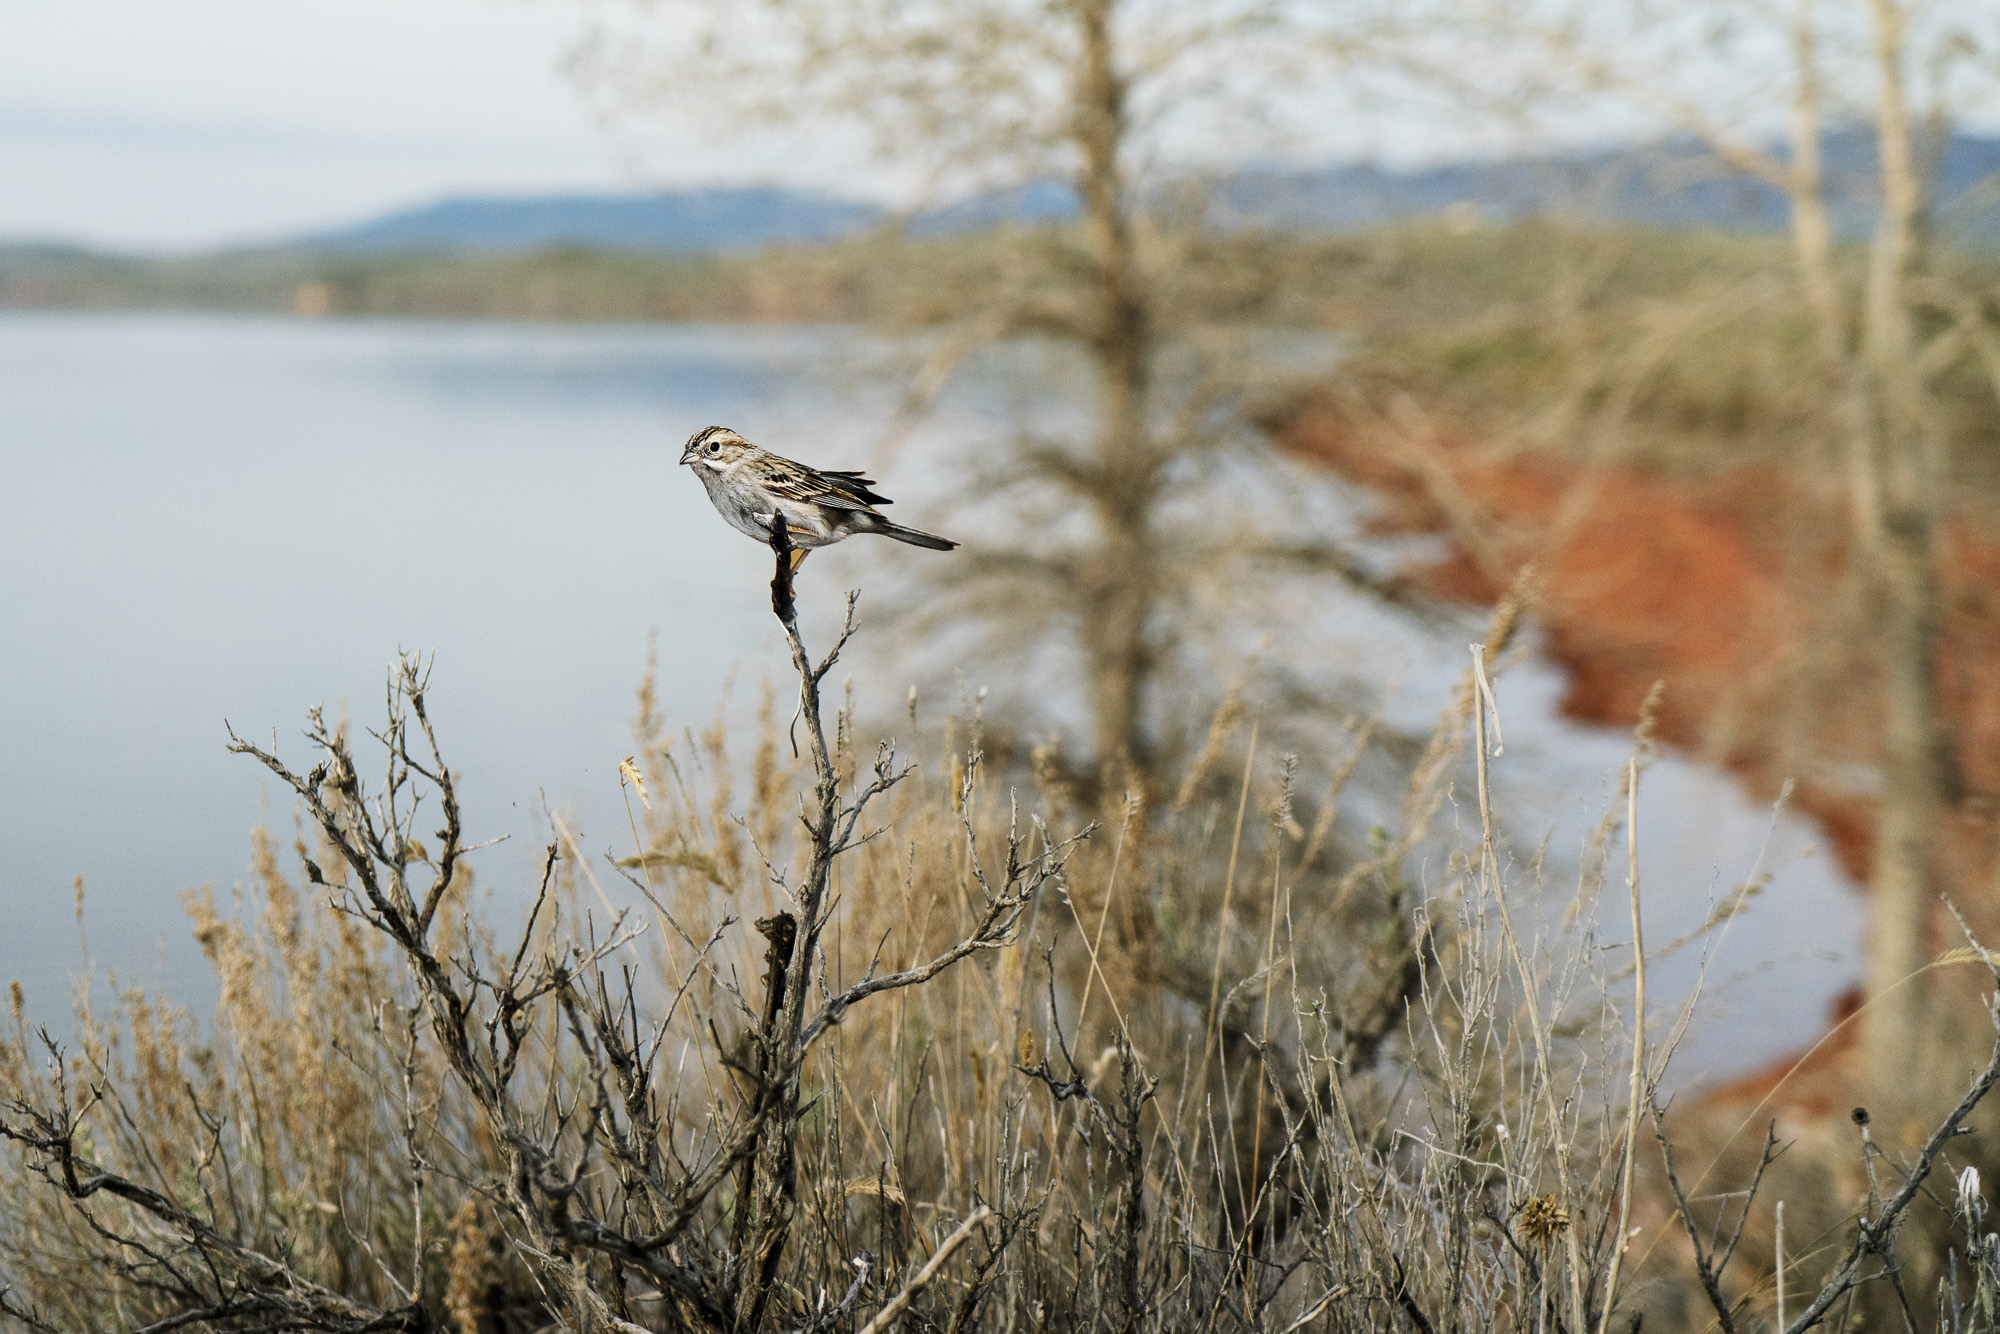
x=1144, y=531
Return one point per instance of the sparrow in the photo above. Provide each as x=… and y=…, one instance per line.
x=748, y=485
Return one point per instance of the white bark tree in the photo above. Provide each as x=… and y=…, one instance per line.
x=1762, y=86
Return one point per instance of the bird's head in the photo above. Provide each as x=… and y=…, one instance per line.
x=717, y=446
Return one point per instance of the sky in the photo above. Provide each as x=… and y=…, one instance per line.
x=181, y=125
x=173, y=125
x=165, y=126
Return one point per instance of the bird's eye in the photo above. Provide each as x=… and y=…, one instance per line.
x=714, y=448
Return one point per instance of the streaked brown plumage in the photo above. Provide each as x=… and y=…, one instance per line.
x=747, y=485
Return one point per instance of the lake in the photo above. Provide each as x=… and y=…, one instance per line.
x=207, y=518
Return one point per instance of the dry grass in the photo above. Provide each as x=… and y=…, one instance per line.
x=1404, y=1107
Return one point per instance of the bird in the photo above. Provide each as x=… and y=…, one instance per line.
x=748, y=485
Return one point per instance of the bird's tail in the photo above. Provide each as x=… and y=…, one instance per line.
x=914, y=536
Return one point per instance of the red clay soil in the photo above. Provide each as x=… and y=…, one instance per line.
x=1727, y=589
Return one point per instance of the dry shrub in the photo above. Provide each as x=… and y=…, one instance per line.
x=1138, y=1065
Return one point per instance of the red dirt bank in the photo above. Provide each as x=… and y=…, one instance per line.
x=1729, y=589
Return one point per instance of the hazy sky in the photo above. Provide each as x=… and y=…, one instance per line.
x=174, y=125
x=171, y=124
x=181, y=124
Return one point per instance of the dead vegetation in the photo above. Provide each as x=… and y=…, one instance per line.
x=989, y=1060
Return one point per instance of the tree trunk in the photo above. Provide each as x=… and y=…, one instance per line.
x=1118, y=604
x=1894, y=498
x=1905, y=586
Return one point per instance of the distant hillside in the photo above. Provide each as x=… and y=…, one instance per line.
x=1670, y=186
x=685, y=221
x=1673, y=186
x=777, y=254
x=676, y=221
x=1284, y=279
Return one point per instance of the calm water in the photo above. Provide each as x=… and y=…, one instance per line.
x=228, y=518
x=210, y=519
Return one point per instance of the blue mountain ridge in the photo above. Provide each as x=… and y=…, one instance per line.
x=687, y=220
x=1672, y=185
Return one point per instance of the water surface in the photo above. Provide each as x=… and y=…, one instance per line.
x=210, y=519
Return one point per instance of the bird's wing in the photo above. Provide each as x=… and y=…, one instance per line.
x=794, y=481
x=854, y=484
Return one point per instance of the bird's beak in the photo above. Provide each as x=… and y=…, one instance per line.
x=687, y=455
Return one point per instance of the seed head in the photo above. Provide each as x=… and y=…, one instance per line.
x=1543, y=1219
